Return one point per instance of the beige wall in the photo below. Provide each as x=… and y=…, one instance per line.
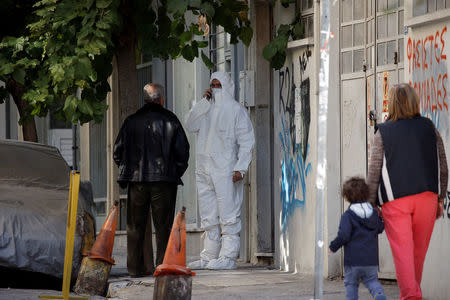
x=295, y=155
x=433, y=73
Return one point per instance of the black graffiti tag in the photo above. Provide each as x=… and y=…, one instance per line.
x=287, y=105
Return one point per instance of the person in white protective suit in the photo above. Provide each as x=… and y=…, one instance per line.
x=225, y=142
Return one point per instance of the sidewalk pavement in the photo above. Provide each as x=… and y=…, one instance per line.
x=247, y=282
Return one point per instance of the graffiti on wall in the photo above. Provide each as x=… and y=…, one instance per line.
x=295, y=118
x=427, y=67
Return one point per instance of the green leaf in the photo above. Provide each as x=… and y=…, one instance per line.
x=281, y=42
x=93, y=76
x=85, y=108
x=278, y=60
x=185, y=37
x=6, y=69
x=103, y=25
x=194, y=46
x=188, y=53
x=207, y=61
x=284, y=29
x=195, y=3
x=298, y=31
x=83, y=68
x=246, y=35
x=70, y=106
x=19, y=76
x=177, y=6
x=36, y=110
x=202, y=44
x=57, y=72
x=208, y=9
x=269, y=51
x=103, y=3
x=285, y=3
x=179, y=28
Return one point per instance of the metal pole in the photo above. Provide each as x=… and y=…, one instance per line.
x=322, y=31
x=74, y=148
x=375, y=59
x=8, y=117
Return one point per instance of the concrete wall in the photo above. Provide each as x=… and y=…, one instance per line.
x=427, y=55
x=295, y=157
x=294, y=111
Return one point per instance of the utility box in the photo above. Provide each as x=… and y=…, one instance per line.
x=246, y=91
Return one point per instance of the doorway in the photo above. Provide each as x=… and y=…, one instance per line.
x=371, y=61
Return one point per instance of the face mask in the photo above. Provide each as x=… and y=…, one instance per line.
x=216, y=92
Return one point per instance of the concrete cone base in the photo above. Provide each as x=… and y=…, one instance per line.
x=173, y=287
x=93, y=277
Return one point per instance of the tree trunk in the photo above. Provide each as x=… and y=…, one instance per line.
x=127, y=74
x=29, y=126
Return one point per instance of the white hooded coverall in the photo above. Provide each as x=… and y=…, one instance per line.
x=225, y=142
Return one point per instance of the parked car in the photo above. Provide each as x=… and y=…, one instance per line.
x=34, y=192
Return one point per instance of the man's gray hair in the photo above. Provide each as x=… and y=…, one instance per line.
x=153, y=92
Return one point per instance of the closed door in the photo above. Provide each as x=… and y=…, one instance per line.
x=60, y=136
x=371, y=62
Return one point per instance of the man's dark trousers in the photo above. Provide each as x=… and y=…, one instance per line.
x=146, y=201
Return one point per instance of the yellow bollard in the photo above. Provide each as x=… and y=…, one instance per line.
x=70, y=238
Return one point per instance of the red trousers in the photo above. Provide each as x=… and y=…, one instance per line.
x=409, y=223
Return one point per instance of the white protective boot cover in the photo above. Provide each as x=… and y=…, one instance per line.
x=211, y=248
x=222, y=263
x=228, y=253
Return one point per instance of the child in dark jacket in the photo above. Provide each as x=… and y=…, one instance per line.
x=358, y=233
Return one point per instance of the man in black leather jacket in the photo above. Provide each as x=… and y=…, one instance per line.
x=152, y=152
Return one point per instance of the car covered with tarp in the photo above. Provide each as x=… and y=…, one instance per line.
x=34, y=192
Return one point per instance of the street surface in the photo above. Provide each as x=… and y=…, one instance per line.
x=247, y=282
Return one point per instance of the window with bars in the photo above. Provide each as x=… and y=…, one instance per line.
x=220, y=49
x=356, y=16
x=358, y=33
x=390, y=31
x=422, y=7
x=307, y=16
x=144, y=73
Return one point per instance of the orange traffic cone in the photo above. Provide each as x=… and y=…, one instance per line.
x=174, y=262
x=96, y=266
x=103, y=246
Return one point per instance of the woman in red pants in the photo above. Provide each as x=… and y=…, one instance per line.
x=408, y=179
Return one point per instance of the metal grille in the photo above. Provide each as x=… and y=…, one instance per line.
x=422, y=7
x=220, y=49
x=144, y=72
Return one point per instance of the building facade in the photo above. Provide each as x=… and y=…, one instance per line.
x=374, y=45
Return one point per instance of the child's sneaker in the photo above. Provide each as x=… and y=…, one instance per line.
x=380, y=297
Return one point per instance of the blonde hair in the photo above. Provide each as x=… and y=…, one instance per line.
x=403, y=102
